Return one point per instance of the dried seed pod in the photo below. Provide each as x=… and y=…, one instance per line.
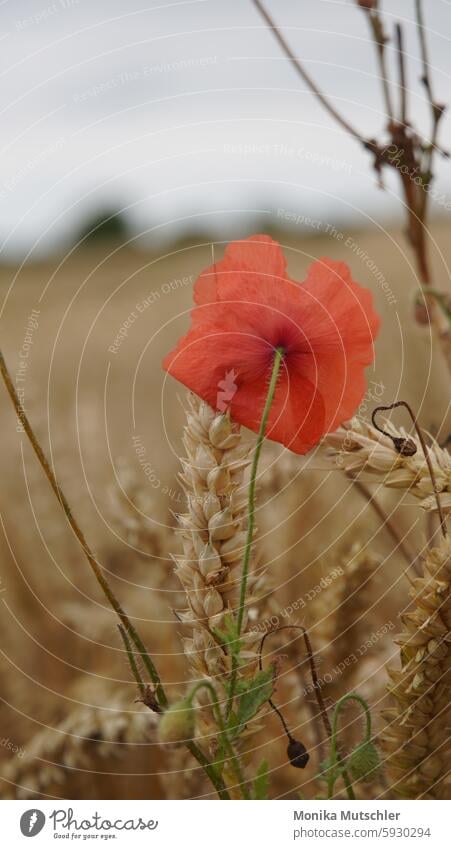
x=297, y=754
x=404, y=446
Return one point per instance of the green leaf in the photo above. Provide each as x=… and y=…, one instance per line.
x=261, y=782
x=228, y=636
x=254, y=694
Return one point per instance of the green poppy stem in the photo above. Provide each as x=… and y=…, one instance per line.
x=278, y=359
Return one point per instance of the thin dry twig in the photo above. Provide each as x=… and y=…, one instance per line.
x=380, y=41
x=404, y=153
x=402, y=75
x=437, y=109
x=313, y=86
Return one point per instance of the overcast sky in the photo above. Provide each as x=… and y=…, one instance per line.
x=187, y=114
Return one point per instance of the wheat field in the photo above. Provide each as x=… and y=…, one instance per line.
x=96, y=325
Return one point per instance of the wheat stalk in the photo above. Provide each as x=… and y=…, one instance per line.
x=213, y=533
x=359, y=447
x=416, y=740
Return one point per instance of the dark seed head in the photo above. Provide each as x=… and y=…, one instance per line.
x=297, y=754
x=405, y=447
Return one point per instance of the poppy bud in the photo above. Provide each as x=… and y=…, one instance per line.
x=363, y=762
x=177, y=723
x=297, y=754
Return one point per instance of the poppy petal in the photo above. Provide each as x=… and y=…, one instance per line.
x=347, y=318
x=246, y=266
x=341, y=326
x=206, y=357
x=296, y=417
x=239, y=368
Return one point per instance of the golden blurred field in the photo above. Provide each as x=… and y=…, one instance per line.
x=69, y=724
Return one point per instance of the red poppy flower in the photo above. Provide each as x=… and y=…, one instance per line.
x=246, y=308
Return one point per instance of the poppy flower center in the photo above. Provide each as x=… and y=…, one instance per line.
x=281, y=349
x=285, y=336
x=269, y=353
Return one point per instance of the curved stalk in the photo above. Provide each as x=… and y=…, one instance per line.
x=349, y=697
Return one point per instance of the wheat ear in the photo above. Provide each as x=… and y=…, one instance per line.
x=213, y=533
x=357, y=446
x=416, y=739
